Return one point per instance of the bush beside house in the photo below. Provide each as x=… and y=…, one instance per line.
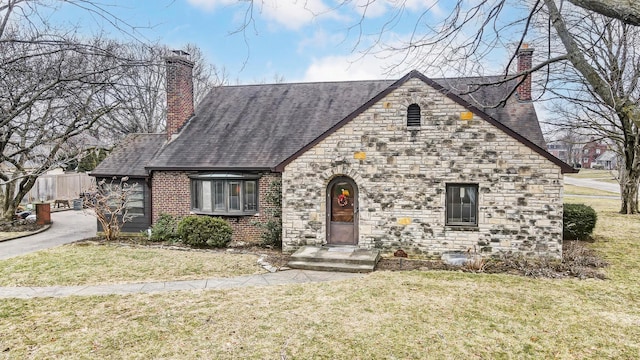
x=579, y=221
x=201, y=231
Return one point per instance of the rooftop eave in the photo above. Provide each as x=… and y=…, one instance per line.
x=208, y=168
x=104, y=175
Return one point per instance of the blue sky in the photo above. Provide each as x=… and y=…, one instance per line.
x=298, y=40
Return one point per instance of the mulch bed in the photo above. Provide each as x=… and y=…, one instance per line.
x=20, y=226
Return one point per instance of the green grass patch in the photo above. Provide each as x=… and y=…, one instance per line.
x=88, y=264
x=580, y=190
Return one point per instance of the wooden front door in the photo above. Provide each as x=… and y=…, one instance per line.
x=342, y=212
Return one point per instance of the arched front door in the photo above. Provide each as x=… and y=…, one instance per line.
x=342, y=212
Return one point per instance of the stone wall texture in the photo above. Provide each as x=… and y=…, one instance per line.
x=402, y=172
x=172, y=195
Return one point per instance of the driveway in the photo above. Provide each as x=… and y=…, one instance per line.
x=594, y=184
x=66, y=227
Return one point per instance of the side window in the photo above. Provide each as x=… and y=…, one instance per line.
x=127, y=193
x=462, y=204
x=413, y=115
x=135, y=203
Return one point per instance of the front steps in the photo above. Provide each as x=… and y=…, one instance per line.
x=335, y=258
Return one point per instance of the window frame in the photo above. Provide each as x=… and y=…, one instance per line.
x=474, y=208
x=134, y=203
x=411, y=119
x=232, y=189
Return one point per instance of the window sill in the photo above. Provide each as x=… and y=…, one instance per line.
x=238, y=214
x=461, y=228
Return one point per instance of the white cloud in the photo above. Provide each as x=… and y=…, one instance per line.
x=382, y=61
x=292, y=14
x=321, y=39
x=210, y=5
x=342, y=68
x=374, y=9
x=371, y=9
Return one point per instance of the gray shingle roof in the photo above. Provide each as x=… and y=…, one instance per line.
x=259, y=126
x=131, y=156
x=254, y=127
x=519, y=116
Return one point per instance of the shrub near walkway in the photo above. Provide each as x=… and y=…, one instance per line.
x=385, y=315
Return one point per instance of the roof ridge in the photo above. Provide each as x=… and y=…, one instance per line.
x=307, y=83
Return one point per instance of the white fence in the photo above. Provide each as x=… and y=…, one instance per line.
x=59, y=187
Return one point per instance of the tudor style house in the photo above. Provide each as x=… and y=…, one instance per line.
x=384, y=164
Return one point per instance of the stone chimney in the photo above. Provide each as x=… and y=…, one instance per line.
x=525, y=55
x=179, y=91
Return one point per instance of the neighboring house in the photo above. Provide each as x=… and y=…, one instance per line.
x=591, y=151
x=373, y=164
x=567, y=151
x=559, y=150
x=608, y=160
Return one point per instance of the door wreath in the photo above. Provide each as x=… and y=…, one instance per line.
x=343, y=200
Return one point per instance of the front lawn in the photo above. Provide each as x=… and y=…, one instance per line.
x=384, y=315
x=579, y=190
x=91, y=264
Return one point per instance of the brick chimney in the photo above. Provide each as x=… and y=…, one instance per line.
x=179, y=91
x=525, y=55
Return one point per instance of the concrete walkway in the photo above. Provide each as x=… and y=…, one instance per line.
x=71, y=226
x=594, y=184
x=268, y=279
x=66, y=227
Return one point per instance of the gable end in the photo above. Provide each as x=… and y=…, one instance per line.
x=565, y=168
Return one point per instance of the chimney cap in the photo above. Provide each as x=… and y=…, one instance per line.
x=524, y=48
x=180, y=52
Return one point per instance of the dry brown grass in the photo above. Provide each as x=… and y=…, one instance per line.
x=90, y=263
x=593, y=174
x=384, y=315
x=579, y=190
x=409, y=315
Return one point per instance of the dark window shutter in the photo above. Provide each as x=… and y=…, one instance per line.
x=413, y=115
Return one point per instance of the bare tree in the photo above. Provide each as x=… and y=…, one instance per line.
x=142, y=89
x=54, y=85
x=109, y=200
x=611, y=48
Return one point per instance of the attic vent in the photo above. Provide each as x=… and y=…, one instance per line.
x=413, y=115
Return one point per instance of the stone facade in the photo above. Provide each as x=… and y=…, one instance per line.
x=401, y=174
x=172, y=195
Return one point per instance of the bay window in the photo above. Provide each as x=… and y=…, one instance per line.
x=224, y=194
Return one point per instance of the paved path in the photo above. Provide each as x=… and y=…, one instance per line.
x=70, y=226
x=268, y=279
x=594, y=184
x=66, y=227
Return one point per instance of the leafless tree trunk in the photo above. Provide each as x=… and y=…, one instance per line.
x=54, y=85
x=625, y=10
x=612, y=57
